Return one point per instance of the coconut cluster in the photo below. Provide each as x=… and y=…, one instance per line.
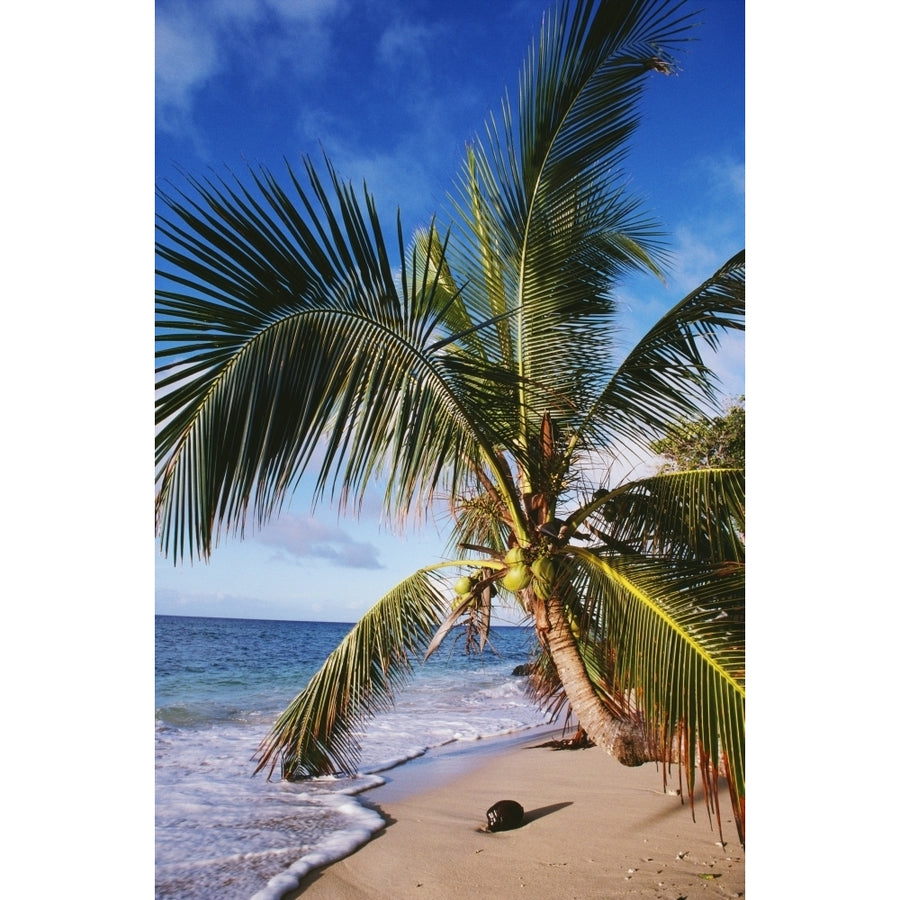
x=541, y=574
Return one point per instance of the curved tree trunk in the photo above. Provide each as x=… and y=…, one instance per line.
x=621, y=738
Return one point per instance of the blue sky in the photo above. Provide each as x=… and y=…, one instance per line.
x=391, y=92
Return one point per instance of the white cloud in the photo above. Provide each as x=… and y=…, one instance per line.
x=403, y=41
x=695, y=258
x=729, y=364
x=303, y=538
x=198, y=42
x=729, y=177
x=187, y=56
x=223, y=604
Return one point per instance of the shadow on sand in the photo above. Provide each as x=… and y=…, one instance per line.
x=541, y=811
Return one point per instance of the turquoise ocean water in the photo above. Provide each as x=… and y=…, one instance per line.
x=222, y=832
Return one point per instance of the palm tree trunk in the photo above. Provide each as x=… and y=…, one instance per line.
x=623, y=739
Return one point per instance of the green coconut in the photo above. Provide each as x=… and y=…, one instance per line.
x=517, y=578
x=463, y=585
x=514, y=557
x=544, y=570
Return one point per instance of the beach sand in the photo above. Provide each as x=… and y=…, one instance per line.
x=594, y=828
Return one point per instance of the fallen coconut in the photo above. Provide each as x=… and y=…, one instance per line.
x=505, y=815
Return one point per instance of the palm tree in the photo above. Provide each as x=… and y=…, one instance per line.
x=475, y=371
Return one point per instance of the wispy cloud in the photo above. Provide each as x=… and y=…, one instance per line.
x=188, y=54
x=204, y=40
x=402, y=42
x=298, y=538
x=728, y=177
x=711, y=227
x=697, y=254
x=729, y=364
x=222, y=604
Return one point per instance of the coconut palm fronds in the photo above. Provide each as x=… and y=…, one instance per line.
x=315, y=733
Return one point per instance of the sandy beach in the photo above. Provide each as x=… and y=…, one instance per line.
x=593, y=828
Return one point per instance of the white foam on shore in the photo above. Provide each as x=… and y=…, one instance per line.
x=364, y=824
x=415, y=775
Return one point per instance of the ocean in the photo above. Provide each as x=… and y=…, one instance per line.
x=222, y=832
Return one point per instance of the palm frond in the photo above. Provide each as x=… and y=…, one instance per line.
x=283, y=335
x=695, y=515
x=664, y=378
x=475, y=609
x=547, y=226
x=315, y=735
x=676, y=634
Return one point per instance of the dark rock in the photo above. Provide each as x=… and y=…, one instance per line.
x=505, y=815
x=524, y=669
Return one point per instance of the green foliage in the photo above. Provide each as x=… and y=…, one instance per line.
x=705, y=443
x=315, y=734
x=678, y=633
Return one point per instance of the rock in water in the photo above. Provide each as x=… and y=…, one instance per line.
x=504, y=815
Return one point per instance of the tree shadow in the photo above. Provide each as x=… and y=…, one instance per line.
x=541, y=811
